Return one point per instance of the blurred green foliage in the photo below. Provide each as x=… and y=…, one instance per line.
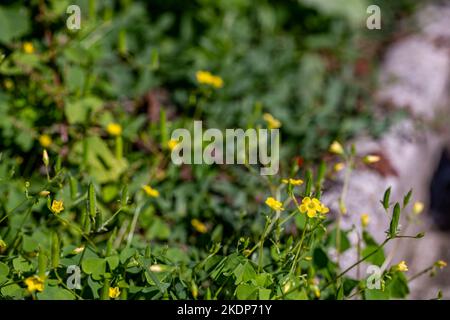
x=309, y=63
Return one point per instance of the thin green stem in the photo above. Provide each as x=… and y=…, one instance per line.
x=358, y=262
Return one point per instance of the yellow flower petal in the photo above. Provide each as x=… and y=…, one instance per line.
x=272, y=123
x=402, y=267
x=57, y=206
x=303, y=208
x=172, y=143
x=114, y=292
x=150, y=191
x=206, y=77
x=34, y=283
x=365, y=220
x=114, y=129
x=369, y=159
x=339, y=166
x=199, y=226
x=418, y=207
x=441, y=264
x=45, y=140
x=28, y=47
x=274, y=204
x=336, y=148
x=311, y=213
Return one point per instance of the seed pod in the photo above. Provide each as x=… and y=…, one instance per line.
x=45, y=158
x=194, y=290
x=124, y=199
x=99, y=221
x=42, y=263
x=91, y=199
x=119, y=147
x=124, y=294
x=109, y=244
x=83, y=217
x=122, y=43
x=73, y=187
x=58, y=164
x=308, y=184
x=55, y=250
x=386, y=196
x=407, y=198
x=148, y=252
x=394, y=221
x=105, y=290
x=163, y=129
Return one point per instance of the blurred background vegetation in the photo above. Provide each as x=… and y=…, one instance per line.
x=310, y=63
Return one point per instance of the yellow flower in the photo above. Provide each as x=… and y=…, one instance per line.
x=78, y=250
x=312, y=207
x=8, y=84
x=150, y=191
x=402, y=267
x=272, y=123
x=338, y=166
x=274, y=204
x=45, y=140
x=418, y=207
x=199, y=226
x=336, y=148
x=113, y=292
x=441, y=264
x=156, y=268
x=34, y=283
x=57, y=206
x=172, y=143
x=371, y=159
x=206, y=77
x=28, y=47
x=365, y=220
x=114, y=129
x=316, y=291
x=45, y=158
x=44, y=193
x=3, y=246
x=294, y=182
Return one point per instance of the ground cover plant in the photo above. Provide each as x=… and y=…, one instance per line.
x=91, y=205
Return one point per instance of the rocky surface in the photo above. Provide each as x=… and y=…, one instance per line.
x=414, y=76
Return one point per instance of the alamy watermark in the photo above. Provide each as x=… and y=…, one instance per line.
x=237, y=146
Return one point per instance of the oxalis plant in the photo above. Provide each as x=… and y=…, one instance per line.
x=58, y=244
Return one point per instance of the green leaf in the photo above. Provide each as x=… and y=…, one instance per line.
x=78, y=110
x=344, y=241
x=94, y=266
x=376, y=294
x=377, y=258
x=22, y=265
x=113, y=262
x=14, y=23
x=320, y=258
x=398, y=286
x=13, y=290
x=55, y=293
x=244, y=273
x=4, y=270
x=246, y=292
x=103, y=166
x=264, y=294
